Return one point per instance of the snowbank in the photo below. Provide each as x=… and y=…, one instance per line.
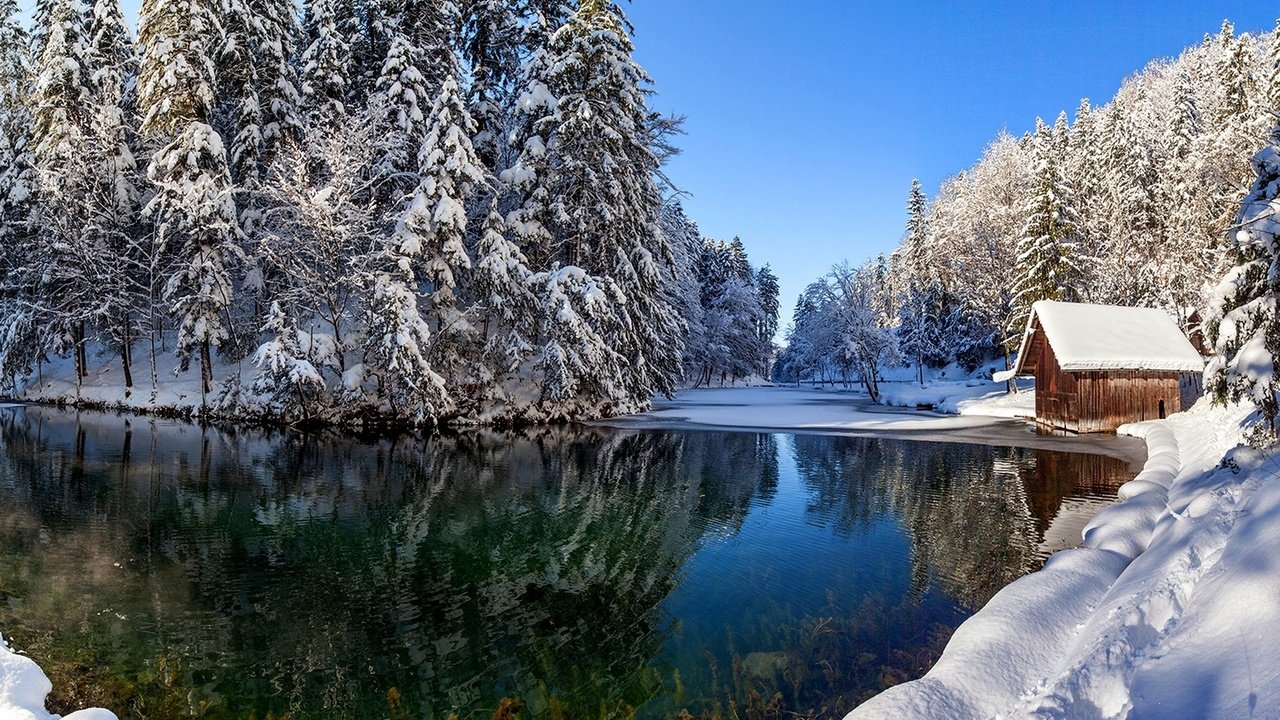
x=790, y=408
x=962, y=397
x=1169, y=610
x=23, y=687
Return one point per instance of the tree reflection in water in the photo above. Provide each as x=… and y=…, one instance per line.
x=169, y=570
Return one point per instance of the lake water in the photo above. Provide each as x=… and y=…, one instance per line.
x=166, y=570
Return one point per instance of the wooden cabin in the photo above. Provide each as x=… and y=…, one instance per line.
x=1098, y=367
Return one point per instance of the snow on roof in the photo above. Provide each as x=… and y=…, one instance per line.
x=1108, y=337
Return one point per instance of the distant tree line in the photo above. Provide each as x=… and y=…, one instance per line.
x=1130, y=203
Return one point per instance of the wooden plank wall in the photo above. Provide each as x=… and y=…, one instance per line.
x=1087, y=402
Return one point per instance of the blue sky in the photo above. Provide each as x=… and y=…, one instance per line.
x=808, y=120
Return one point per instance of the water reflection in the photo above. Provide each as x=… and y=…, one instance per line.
x=168, y=570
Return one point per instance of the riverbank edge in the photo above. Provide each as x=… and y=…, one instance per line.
x=1046, y=643
x=24, y=686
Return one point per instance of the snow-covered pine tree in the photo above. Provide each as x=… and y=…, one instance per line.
x=491, y=44
x=327, y=63
x=505, y=303
x=432, y=229
x=397, y=340
x=916, y=263
x=528, y=182
x=1237, y=80
x=287, y=383
x=238, y=114
x=582, y=375
x=767, y=289
x=257, y=80
x=1244, y=312
x=1271, y=71
x=278, y=92
x=686, y=244
x=192, y=209
x=1045, y=266
x=62, y=88
x=918, y=324
x=606, y=198
x=114, y=213
x=17, y=181
x=403, y=97
x=20, y=346
x=64, y=266
x=1185, y=258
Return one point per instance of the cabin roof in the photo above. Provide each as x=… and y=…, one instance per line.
x=1108, y=337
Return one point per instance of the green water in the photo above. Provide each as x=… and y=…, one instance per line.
x=166, y=570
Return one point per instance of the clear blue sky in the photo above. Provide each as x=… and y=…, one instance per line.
x=808, y=120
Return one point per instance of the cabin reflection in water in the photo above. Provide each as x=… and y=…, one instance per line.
x=167, y=566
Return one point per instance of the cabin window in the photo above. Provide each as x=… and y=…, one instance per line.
x=1161, y=409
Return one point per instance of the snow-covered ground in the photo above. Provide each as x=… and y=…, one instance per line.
x=963, y=397
x=175, y=390
x=795, y=408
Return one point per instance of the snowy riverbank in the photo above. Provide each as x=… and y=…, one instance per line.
x=1169, y=610
x=23, y=687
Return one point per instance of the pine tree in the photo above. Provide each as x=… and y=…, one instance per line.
x=582, y=374
x=1046, y=268
x=327, y=63
x=17, y=180
x=20, y=342
x=114, y=213
x=504, y=301
x=606, y=196
x=396, y=341
x=286, y=380
x=402, y=98
x=529, y=180
x=1244, y=313
x=768, y=289
x=915, y=245
x=62, y=88
x=193, y=210
x=257, y=80
x=490, y=48
x=278, y=92
x=1271, y=71
x=432, y=231
x=64, y=266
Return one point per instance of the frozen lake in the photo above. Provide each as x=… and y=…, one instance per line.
x=166, y=570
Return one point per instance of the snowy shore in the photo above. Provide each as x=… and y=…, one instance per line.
x=23, y=687
x=1169, y=610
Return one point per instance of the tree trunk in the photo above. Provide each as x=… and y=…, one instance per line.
x=206, y=368
x=77, y=342
x=126, y=354
x=1012, y=382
